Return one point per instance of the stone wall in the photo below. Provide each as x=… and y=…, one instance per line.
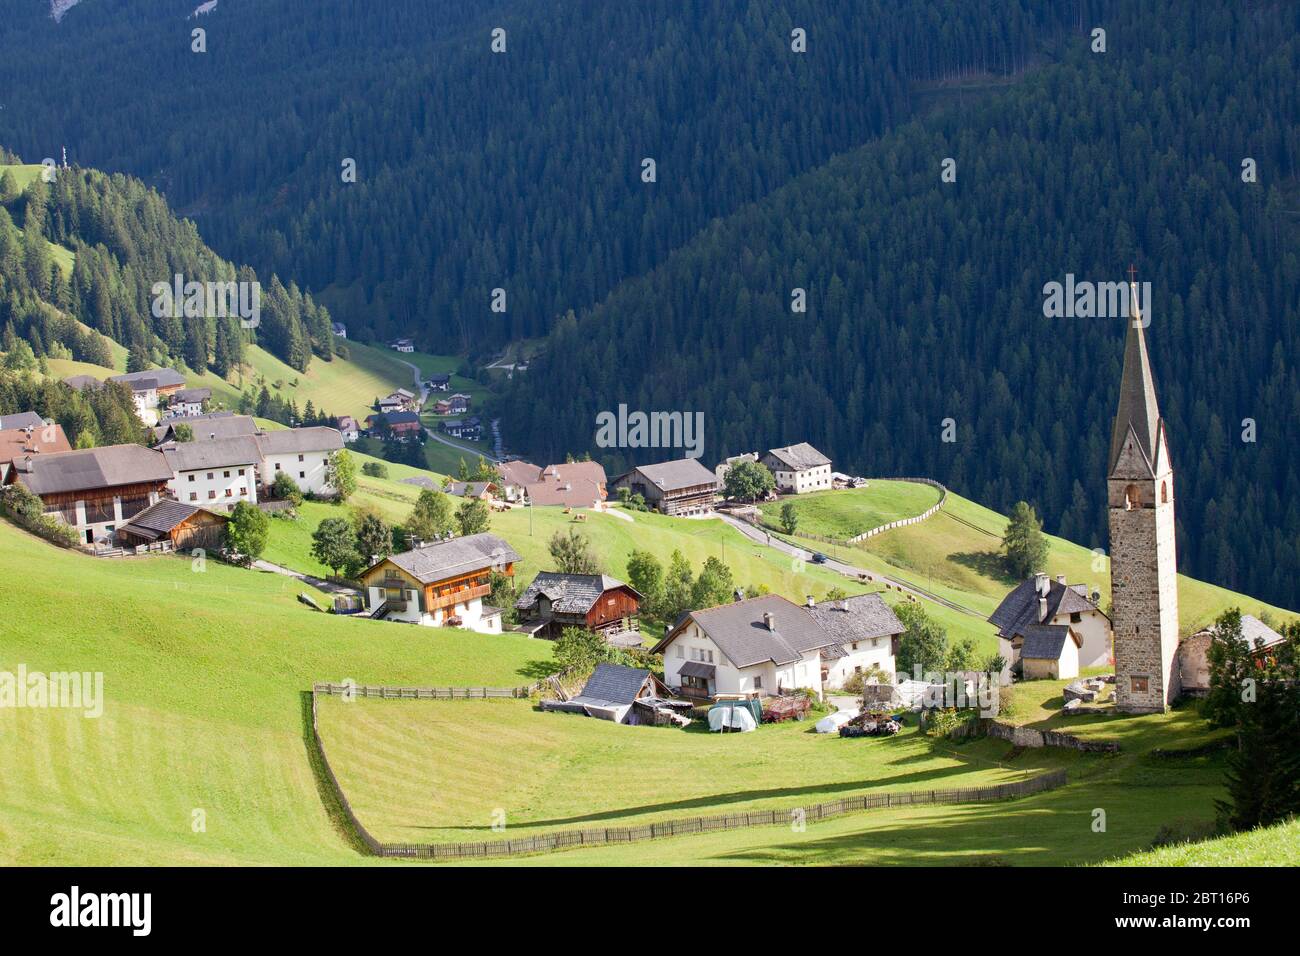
x=1030, y=737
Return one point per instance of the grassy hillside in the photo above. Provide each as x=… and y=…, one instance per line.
x=23, y=175
x=1267, y=846
x=203, y=678
x=852, y=511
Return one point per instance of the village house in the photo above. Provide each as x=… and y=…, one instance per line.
x=82, y=382
x=1039, y=600
x=148, y=388
x=339, y=329
x=402, y=425
x=1048, y=651
x=348, y=429
x=866, y=633
x=798, y=469
x=1193, y=660
x=439, y=382
x=188, y=402
x=575, y=484
x=402, y=345
x=469, y=429
x=682, y=487
x=457, y=404
x=95, y=490
x=209, y=425
x=175, y=526
x=214, y=473
x=393, y=403
x=482, y=490
x=759, y=647
x=441, y=585
x=301, y=453
x=517, y=475
x=594, y=602
x=26, y=441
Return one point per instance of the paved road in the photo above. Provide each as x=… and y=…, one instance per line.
x=848, y=570
x=330, y=587
x=438, y=436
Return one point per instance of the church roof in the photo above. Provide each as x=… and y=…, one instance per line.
x=1138, y=408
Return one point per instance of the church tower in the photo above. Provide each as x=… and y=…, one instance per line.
x=1143, y=565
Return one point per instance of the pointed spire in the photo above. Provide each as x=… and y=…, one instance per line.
x=1137, y=391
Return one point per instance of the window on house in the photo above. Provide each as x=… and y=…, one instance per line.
x=225, y=474
x=1075, y=617
x=211, y=494
x=190, y=477
x=758, y=683
x=302, y=474
x=241, y=473
x=229, y=493
x=277, y=466
x=1164, y=493
x=681, y=652
x=194, y=496
x=300, y=458
x=209, y=476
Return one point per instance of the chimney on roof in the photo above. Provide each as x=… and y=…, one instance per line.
x=667, y=628
x=1042, y=609
x=1060, y=579
x=812, y=601
x=769, y=621
x=1040, y=583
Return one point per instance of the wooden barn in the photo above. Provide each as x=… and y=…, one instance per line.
x=174, y=525
x=594, y=602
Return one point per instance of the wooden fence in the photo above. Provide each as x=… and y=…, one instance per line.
x=427, y=693
x=607, y=836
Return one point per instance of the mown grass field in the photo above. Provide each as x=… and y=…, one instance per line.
x=1268, y=846
x=433, y=773
x=851, y=511
x=204, y=675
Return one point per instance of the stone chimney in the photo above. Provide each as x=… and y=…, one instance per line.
x=1060, y=579
x=1040, y=583
x=769, y=621
x=812, y=601
x=1042, y=610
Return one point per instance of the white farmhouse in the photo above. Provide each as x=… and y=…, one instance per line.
x=214, y=473
x=1041, y=601
x=798, y=469
x=301, y=453
x=760, y=647
x=441, y=585
x=866, y=633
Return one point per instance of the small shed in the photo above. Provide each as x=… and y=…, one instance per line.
x=1049, y=652
x=174, y=524
x=611, y=691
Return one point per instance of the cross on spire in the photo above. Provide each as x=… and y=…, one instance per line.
x=1132, y=273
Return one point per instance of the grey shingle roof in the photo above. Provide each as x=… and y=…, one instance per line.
x=1020, y=607
x=93, y=468
x=1044, y=641
x=234, y=452
x=160, y=518
x=223, y=424
x=800, y=457
x=855, y=618
x=472, y=489
x=739, y=631
x=569, y=593
x=434, y=562
x=20, y=420
x=150, y=378
x=291, y=441
x=192, y=395
x=674, y=475
x=612, y=684
x=697, y=669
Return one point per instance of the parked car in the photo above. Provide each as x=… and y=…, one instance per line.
x=818, y=558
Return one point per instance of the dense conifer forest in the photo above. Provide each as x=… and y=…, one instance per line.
x=774, y=171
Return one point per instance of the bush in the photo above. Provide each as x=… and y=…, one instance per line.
x=375, y=469
x=286, y=489
x=26, y=510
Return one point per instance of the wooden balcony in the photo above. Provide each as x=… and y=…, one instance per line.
x=436, y=602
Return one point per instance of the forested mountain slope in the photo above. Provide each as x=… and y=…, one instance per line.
x=477, y=170
x=926, y=298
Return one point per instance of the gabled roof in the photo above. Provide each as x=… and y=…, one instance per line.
x=17, y=442
x=1046, y=641
x=91, y=469
x=292, y=441
x=396, y=418
x=231, y=452
x=150, y=378
x=519, y=472
x=447, y=559
x=81, y=382
x=20, y=420
x=470, y=489
x=856, y=618
x=201, y=394
x=613, y=685
x=570, y=593
x=675, y=475
x=800, y=457
x=161, y=518
x=223, y=424
x=1138, y=409
x=1020, y=607
x=741, y=633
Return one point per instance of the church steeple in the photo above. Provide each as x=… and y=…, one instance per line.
x=1138, y=410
